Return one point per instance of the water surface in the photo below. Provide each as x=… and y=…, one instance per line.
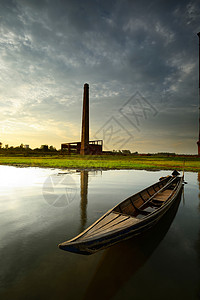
x=40, y=208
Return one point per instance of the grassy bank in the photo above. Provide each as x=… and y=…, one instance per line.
x=107, y=162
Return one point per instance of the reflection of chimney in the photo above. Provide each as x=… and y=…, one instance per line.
x=84, y=195
x=85, y=122
x=198, y=143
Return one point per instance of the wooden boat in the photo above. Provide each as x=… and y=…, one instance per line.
x=129, y=218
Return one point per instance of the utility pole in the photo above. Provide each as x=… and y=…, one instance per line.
x=198, y=143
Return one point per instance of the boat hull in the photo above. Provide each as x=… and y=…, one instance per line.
x=91, y=245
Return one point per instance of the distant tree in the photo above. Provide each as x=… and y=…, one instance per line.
x=6, y=146
x=52, y=148
x=126, y=151
x=1, y=145
x=44, y=147
x=135, y=153
x=21, y=146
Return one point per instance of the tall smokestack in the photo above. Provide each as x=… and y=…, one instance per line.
x=85, y=122
x=198, y=143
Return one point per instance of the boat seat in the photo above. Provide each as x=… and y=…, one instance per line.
x=150, y=209
x=156, y=203
x=161, y=197
x=144, y=212
x=155, y=200
x=171, y=187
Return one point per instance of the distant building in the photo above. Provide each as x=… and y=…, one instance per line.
x=26, y=146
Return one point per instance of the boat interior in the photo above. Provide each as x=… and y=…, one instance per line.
x=148, y=200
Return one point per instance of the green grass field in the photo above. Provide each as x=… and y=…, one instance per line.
x=107, y=162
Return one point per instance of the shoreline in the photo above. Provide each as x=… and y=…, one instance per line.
x=80, y=169
x=105, y=163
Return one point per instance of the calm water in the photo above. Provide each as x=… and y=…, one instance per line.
x=40, y=208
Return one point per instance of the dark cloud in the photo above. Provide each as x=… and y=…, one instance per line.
x=50, y=48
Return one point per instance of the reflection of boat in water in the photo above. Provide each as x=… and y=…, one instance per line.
x=120, y=262
x=131, y=217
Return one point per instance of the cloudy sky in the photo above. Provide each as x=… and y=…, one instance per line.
x=139, y=57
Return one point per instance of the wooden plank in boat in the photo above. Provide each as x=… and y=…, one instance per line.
x=125, y=224
x=163, y=195
x=109, y=218
x=119, y=218
x=110, y=224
